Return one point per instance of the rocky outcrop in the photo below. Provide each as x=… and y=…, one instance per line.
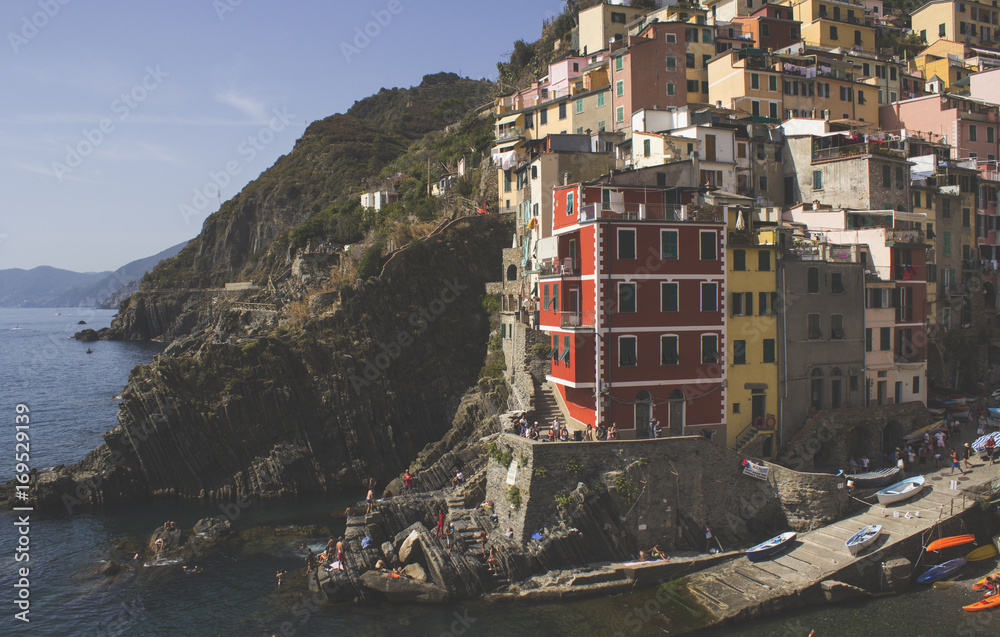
x=347, y=396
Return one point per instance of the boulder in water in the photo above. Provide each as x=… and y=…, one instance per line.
x=398, y=588
x=211, y=528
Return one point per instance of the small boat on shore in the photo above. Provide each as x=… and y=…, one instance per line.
x=863, y=538
x=901, y=490
x=942, y=571
x=872, y=479
x=990, y=602
x=948, y=542
x=770, y=547
x=982, y=553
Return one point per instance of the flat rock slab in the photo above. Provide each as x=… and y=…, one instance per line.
x=404, y=589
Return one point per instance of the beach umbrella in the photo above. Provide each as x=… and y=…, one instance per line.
x=980, y=444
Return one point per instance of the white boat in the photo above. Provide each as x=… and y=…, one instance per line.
x=770, y=547
x=901, y=490
x=863, y=538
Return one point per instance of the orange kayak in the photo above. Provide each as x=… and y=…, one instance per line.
x=947, y=542
x=981, y=584
x=989, y=602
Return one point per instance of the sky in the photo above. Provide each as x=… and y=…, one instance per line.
x=117, y=117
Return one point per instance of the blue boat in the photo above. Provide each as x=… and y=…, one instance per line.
x=769, y=548
x=941, y=571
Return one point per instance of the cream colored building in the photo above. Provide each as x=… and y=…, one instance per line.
x=605, y=23
x=972, y=22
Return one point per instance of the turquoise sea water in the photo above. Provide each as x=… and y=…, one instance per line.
x=72, y=399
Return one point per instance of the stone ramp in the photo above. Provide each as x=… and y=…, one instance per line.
x=741, y=589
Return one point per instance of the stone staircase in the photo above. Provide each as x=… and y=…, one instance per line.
x=546, y=407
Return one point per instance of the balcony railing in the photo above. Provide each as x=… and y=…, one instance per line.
x=554, y=267
x=509, y=134
x=849, y=150
x=648, y=212
x=905, y=236
x=822, y=252
x=576, y=319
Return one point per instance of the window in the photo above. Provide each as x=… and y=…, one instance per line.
x=946, y=208
x=772, y=82
x=689, y=60
x=812, y=280
x=601, y=127
x=772, y=110
x=742, y=304
x=857, y=38
x=885, y=338
x=813, y=324
x=837, y=326
x=846, y=95
x=946, y=243
x=620, y=114
x=626, y=243
x=579, y=106
x=562, y=111
x=916, y=199
x=765, y=29
x=868, y=339
x=671, y=62
x=543, y=117
x=709, y=297
x=886, y=176
x=763, y=180
x=739, y=352
x=989, y=139
x=668, y=244
x=754, y=80
x=617, y=18
x=668, y=297
x=973, y=133
x=706, y=36
x=941, y=31
x=619, y=62
x=709, y=245
x=741, y=151
x=817, y=180
x=916, y=384
x=709, y=348
x=620, y=88
x=626, y=298
x=769, y=353
x=833, y=33
x=569, y=203
x=692, y=86
x=646, y=148
x=965, y=217
x=691, y=35
x=837, y=283
x=566, y=350
x=627, y=351
x=768, y=300
x=671, y=38
x=600, y=100
x=670, y=88
x=668, y=351
x=761, y=152
x=739, y=260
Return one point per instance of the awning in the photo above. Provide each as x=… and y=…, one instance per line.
x=510, y=119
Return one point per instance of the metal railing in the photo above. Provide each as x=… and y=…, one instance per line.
x=576, y=319
x=648, y=212
x=905, y=236
x=849, y=150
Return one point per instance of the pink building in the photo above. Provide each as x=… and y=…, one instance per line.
x=968, y=125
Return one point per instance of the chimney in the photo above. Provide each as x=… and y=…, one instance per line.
x=696, y=168
x=566, y=178
x=718, y=103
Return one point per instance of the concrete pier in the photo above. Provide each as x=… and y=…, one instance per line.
x=741, y=590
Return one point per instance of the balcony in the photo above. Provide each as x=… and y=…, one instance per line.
x=555, y=267
x=570, y=320
x=509, y=135
x=904, y=236
x=648, y=212
x=850, y=150
x=990, y=239
x=805, y=251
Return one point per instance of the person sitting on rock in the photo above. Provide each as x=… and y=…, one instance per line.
x=458, y=480
x=407, y=482
x=491, y=561
x=380, y=566
x=657, y=554
x=310, y=561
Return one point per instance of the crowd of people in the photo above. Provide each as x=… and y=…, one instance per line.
x=561, y=433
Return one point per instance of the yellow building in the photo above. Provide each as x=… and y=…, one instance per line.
x=834, y=23
x=970, y=22
x=751, y=330
x=783, y=86
x=945, y=59
x=603, y=24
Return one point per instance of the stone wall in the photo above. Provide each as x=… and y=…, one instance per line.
x=665, y=491
x=831, y=437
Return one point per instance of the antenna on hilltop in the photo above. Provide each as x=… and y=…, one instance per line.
x=218, y=192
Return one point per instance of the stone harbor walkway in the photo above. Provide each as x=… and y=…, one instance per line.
x=818, y=564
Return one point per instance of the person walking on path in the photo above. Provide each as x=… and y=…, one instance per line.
x=954, y=463
x=965, y=455
x=990, y=444
x=708, y=539
x=440, y=527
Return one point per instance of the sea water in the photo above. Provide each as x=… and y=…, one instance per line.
x=72, y=398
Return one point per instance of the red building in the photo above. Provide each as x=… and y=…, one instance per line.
x=634, y=302
x=771, y=26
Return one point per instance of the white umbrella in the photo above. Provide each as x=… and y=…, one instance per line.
x=980, y=444
x=740, y=224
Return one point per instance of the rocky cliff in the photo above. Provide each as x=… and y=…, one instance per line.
x=316, y=409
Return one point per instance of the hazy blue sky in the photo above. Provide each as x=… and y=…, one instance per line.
x=113, y=113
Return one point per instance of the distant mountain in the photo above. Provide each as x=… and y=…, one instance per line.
x=46, y=286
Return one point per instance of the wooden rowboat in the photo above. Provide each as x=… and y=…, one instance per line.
x=901, y=490
x=770, y=547
x=871, y=479
x=948, y=542
x=863, y=538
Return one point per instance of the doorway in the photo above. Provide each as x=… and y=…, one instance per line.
x=676, y=414
x=643, y=413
